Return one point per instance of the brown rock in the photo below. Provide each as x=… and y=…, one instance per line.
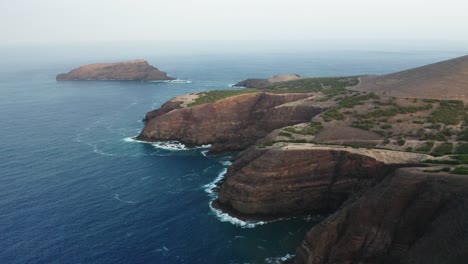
x=410, y=217
x=230, y=124
x=292, y=179
x=136, y=70
x=258, y=83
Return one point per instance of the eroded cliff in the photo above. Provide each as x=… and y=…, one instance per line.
x=410, y=217
x=290, y=179
x=230, y=124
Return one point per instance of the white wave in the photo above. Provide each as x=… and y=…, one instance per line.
x=167, y=145
x=224, y=217
x=170, y=81
x=209, y=188
x=279, y=260
x=226, y=163
x=116, y=196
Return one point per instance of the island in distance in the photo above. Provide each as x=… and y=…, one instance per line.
x=135, y=70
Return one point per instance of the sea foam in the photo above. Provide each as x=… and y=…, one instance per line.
x=166, y=145
x=222, y=216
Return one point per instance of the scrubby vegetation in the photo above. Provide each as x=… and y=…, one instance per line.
x=449, y=112
x=426, y=147
x=332, y=114
x=330, y=86
x=460, y=170
x=443, y=149
x=213, y=96
x=311, y=128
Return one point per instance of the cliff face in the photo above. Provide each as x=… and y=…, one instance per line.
x=131, y=70
x=229, y=124
x=258, y=83
x=410, y=217
x=289, y=179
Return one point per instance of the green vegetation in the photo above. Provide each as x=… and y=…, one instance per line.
x=401, y=141
x=462, y=148
x=463, y=159
x=312, y=128
x=463, y=135
x=443, y=149
x=426, y=147
x=213, y=96
x=351, y=101
x=395, y=110
x=449, y=112
x=363, y=124
x=445, y=169
x=285, y=134
x=460, y=170
x=433, y=161
x=330, y=86
x=437, y=137
x=332, y=114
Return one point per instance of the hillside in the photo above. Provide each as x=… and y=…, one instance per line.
x=442, y=80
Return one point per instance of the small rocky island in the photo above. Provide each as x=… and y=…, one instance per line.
x=258, y=83
x=135, y=70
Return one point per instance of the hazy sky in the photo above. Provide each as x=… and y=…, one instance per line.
x=183, y=21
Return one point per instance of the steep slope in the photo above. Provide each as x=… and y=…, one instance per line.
x=410, y=217
x=442, y=80
x=229, y=124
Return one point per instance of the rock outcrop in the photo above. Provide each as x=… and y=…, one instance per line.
x=410, y=217
x=231, y=124
x=136, y=70
x=292, y=179
x=259, y=83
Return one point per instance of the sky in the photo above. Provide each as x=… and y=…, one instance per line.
x=197, y=23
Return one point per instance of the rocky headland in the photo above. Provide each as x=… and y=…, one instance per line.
x=135, y=70
x=259, y=83
x=389, y=169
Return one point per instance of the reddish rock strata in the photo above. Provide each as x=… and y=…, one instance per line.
x=230, y=124
x=410, y=217
x=278, y=182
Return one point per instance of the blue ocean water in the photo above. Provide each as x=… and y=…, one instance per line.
x=74, y=189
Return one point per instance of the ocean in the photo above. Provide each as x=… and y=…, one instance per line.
x=74, y=187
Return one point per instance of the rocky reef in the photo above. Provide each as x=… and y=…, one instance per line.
x=136, y=70
x=259, y=83
x=230, y=124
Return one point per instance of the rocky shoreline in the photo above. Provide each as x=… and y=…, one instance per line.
x=389, y=200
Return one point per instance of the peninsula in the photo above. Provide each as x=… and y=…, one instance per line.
x=135, y=70
x=384, y=156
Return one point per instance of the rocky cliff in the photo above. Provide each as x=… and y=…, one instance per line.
x=259, y=83
x=230, y=124
x=290, y=179
x=410, y=217
x=136, y=70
